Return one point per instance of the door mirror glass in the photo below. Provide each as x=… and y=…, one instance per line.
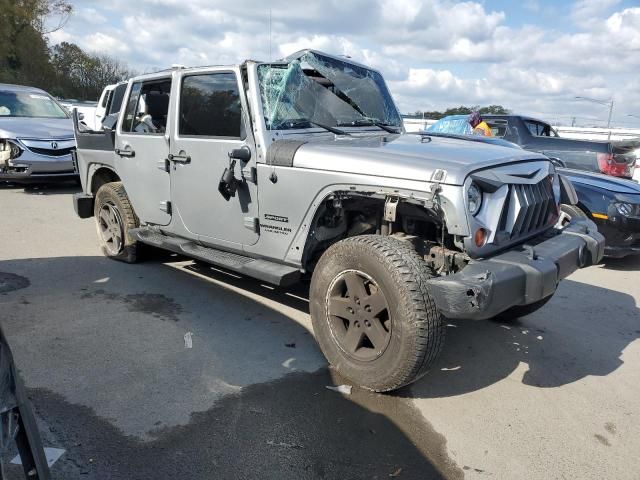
x=242, y=154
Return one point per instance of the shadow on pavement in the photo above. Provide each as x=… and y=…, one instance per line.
x=629, y=263
x=100, y=346
x=581, y=332
x=54, y=188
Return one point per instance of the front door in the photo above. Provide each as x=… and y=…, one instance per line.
x=142, y=146
x=209, y=125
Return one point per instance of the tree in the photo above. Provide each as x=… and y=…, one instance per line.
x=81, y=75
x=24, y=55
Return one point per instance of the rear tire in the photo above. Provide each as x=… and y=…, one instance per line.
x=114, y=219
x=372, y=313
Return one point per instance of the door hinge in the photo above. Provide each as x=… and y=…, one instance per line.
x=252, y=224
x=163, y=165
x=166, y=206
x=250, y=174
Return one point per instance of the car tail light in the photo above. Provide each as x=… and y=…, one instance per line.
x=609, y=166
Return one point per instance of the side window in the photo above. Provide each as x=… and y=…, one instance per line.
x=148, y=107
x=210, y=106
x=539, y=129
x=118, y=95
x=131, y=107
x=105, y=99
x=107, y=103
x=498, y=127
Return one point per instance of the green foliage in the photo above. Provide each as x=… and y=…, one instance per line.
x=64, y=70
x=461, y=110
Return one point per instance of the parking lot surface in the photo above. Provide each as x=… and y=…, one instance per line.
x=102, y=347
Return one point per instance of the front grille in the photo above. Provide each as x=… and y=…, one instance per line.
x=61, y=152
x=527, y=209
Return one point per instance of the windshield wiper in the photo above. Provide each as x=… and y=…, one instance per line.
x=368, y=122
x=303, y=122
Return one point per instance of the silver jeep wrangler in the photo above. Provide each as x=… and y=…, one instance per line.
x=302, y=166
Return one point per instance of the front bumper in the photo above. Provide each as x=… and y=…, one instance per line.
x=520, y=276
x=32, y=167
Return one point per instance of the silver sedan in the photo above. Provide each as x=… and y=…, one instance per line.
x=36, y=137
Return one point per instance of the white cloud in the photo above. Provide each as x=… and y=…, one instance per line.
x=101, y=42
x=587, y=12
x=434, y=53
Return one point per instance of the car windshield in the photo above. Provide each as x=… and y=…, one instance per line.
x=29, y=104
x=316, y=89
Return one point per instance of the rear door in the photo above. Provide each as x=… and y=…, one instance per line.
x=211, y=122
x=142, y=146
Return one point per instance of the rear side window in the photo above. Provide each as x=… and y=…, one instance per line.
x=118, y=95
x=498, y=127
x=105, y=99
x=539, y=129
x=148, y=107
x=210, y=106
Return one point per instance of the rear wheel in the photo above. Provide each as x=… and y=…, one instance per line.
x=372, y=313
x=114, y=219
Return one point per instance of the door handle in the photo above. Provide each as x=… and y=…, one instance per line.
x=125, y=153
x=184, y=159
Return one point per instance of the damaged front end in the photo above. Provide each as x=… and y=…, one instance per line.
x=521, y=276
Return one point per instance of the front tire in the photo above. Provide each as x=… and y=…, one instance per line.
x=372, y=313
x=114, y=219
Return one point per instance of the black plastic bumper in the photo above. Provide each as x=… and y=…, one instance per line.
x=519, y=276
x=83, y=205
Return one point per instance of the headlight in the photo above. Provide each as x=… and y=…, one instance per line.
x=9, y=150
x=624, y=209
x=474, y=199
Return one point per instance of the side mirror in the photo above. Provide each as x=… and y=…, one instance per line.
x=109, y=122
x=80, y=116
x=243, y=154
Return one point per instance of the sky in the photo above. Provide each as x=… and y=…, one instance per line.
x=532, y=56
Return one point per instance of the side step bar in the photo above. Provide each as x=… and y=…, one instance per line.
x=271, y=272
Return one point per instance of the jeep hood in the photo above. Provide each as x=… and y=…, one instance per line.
x=406, y=156
x=44, y=128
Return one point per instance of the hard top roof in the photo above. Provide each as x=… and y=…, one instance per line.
x=165, y=72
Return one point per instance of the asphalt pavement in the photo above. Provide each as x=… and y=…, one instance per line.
x=103, y=349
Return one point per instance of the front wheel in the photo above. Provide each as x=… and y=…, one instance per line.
x=372, y=312
x=114, y=219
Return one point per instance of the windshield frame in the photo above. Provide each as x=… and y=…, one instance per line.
x=19, y=93
x=268, y=115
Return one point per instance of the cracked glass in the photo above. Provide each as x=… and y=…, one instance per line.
x=317, y=89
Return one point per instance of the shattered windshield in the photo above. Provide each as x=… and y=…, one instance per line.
x=315, y=89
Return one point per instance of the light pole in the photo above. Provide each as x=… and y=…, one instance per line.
x=608, y=103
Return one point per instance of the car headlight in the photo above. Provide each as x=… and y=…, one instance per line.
x=624, y=209
x=474, y=199
x=9, y=150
